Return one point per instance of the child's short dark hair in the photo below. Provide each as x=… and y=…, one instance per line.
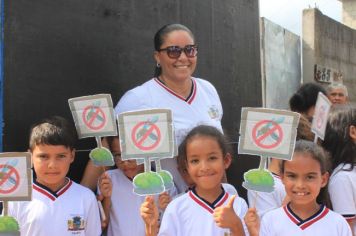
x=53, y=131
x=321, y=156
x=205, y=131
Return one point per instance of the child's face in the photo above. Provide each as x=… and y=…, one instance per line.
x=129, y=168
x=51, y=164
x=205, y=163
x=303, y=179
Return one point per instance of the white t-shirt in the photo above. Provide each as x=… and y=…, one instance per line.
x=203, y=106
x=125, y=218
x=72, y=210
x=191, y=215
x=283, y=221
x=342, y=191
x=264, y=202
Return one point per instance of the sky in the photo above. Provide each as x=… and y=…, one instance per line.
x=288, y=13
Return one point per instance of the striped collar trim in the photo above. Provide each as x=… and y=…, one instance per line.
x=191, y=96
x=205, y=204
x=303, y=224
x=49, y=193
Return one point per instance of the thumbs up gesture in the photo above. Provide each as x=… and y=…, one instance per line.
x=225, y=217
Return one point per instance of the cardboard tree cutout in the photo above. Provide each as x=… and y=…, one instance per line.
x=15, y=185
x=94, y=117
x=148, y=135
x=320, y=117
x=266, y=132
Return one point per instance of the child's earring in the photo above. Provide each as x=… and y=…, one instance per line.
x=353, y=132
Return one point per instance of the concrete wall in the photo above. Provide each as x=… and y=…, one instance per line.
x=332, y=47
x=281, y=64
x=349, y=13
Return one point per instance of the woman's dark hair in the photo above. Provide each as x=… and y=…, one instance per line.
x=337, y=140
x=160, y=37
x=202, y=131
x=305, y=97
x=53, y=131
x=318, y=154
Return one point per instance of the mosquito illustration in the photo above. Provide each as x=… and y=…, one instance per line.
x=92, y=111
x=267, y=127
x=5, y=168
x=145, y=128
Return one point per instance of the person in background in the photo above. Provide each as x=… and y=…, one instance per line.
x=193, y=101
x=304, y=100
x=340, y=142
x=120, y=203
x=337, y=93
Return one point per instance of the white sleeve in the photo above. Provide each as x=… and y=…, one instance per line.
x=264, y=226
x=93, y=224
x=342, y=194
x=342, y=225
x=130, y=102
x=170, y=225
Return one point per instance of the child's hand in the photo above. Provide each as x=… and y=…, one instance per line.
x=105, y=185
x=252, y=222
x=149, y=211
x=149, y=214
x=225, y=217
x=163, y=200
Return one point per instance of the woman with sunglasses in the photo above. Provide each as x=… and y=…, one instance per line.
x=193, y=101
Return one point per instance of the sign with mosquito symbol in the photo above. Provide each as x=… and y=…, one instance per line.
x=93, y=115
x=320, y=118
x=148, y=135
x=15, y=176
x=268, y=132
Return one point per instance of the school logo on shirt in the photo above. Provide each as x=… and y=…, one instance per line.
x=76, y=223
x=214, y=112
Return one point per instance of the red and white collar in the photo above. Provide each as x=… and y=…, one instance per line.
x=206, y=205
x=49, y=193
x=191, y=96
x=303, y=224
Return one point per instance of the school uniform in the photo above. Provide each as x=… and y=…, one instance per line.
x=202, y=106
x=125, y=218
x=283, y=221
x=264, y=202
x=189, y=214
x=342, y=191
x=72, y=210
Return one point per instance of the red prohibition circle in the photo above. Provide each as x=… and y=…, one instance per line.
x=258, y=140
x=6, y=176
x=89, y=123
x=139, y=143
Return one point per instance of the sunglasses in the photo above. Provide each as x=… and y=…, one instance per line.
x=174, y=52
